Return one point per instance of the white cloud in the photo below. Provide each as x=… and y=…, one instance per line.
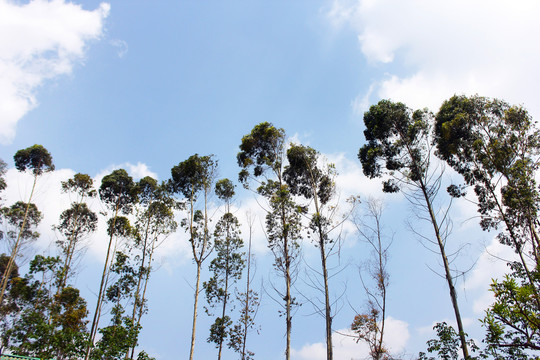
x=345, y=345
x=484, y=47
x=39, y=41
x=136, y=171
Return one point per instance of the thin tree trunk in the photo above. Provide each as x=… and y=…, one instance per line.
x=138, y=288
x=97, y=313
x=288, y=318
x=328, y=314
x=192, y=348
x=227, y=272
x=448, y=274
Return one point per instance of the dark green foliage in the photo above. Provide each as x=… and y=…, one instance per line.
x=35, y=158
x=43, y=324
x=119, y=226
x=117, y=338
x=14, y=216
x=512, y=322
x=126, y=279
x=396, y=137
x=260, y=150
x=193, y=175
x=144, y=356
x=118, y=191
x=307, y=178
x=225, y=190
x=488, y=140
x=447, y=346
x=75, y=222
x=80, y=184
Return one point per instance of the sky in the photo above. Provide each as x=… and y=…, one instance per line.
x=143, y=85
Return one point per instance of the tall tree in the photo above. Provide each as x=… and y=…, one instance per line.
x=226, y=267
x=261, y=156
x=399, y=139
x=193, y=178
x=118, y=193
x=75, y=223
x=37, y=160
x=306, y=176
x=249, y=302
x=154, y=221
x=122, y=332
x=496, y=148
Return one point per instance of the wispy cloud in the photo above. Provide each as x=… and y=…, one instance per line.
x=38, y=41
x=442, y=48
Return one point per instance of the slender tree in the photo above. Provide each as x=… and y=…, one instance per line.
x=307, y=177
x=154, y=221
x=192, y=178
x=399, y=139
x=261, y=156
x=118, y=193
x=226, y=268
x=75, y=223
x=249, y=305
x=38, y=160
x=496, y=148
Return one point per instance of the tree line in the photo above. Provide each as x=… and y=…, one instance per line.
x=493, y=146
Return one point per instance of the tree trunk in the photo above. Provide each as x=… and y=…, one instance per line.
x=192, y=349
x=97, y=313
x=448, y=274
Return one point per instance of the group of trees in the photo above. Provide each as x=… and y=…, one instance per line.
x=495, y=147
x=492, y=145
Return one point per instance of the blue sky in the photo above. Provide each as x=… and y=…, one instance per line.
x=145, y=84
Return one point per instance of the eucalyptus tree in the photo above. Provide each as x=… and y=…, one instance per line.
x=399, y=146
x=121, y=333
x=37, y=160
x=154, y=221
x=262, y=156
x=248, y=301
x=306, y=176
x=496, y=147
x=118, y=193
x=227, y=266
x=194, y=178
x=75, y=223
